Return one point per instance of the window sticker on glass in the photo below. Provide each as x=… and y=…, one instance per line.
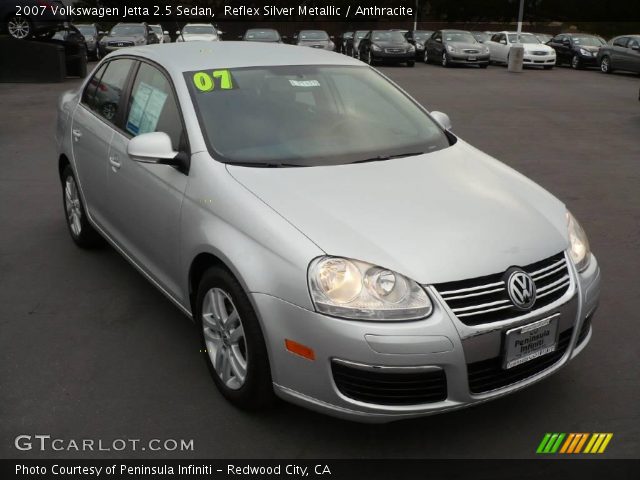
x=146, y=108
x=304, y=83
x=212, y=81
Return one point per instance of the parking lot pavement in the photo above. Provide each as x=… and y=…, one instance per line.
x=89, y=349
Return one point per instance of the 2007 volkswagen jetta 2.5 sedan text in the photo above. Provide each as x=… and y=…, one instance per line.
x=337, y=245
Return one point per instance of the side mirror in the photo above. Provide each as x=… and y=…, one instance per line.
x=566, y=42
x=443, y=119
x=503, y=41
x=439, y=40
x=154, y=147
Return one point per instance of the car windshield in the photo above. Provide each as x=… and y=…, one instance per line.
x=262, y=35
x=308, y=116
x=421, y=35
x=86, y=29
x=156, y=29
x=127, y=31
x=377, y=36
x=313, y=35
x=199, y=29
x=589, y=41
x=481, y=36
x=347, y=35
x=524, y=38
x=543, y=37
x=461, y=37
x=361, y=34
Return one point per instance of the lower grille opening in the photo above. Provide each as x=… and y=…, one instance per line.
x=488, y=374
x=390, y=388
x=584, y=330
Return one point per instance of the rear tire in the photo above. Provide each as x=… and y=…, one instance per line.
x=19, y=27
x=235, y=343
x=576, y=64
x=81, y=231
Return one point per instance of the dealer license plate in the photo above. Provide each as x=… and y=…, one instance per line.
x=531, y=341
x=472, y=58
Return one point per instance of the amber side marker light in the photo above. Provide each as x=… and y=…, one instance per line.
x=299, y=349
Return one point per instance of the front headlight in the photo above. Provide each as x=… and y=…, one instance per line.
x=375, y=47
x=584, y=52
x=451, y=49
x=579, y=249
x=357, y=290
x=420, y=46
x=411, y=48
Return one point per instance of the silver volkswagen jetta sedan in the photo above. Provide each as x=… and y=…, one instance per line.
x=336, y=243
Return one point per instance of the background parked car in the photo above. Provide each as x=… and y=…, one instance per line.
x=91, y=34
x=579, y=50
x=417, y=38
x=621, y=53
x=198, y=31
x=125, y=35
x=44, y=24
x=455, y=47
x=268, y=35
x=535, y=53
x=163, y=35
x=75, y=50
x=314, y=39
x=386, y=46
x=342, y=41
x=355, y=42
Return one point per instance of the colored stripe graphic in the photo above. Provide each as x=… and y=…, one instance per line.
x=573, y=443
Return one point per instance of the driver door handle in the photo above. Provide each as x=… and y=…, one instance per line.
x=113, y=160
x=76, y=134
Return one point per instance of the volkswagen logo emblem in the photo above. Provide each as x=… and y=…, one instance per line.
x=521, y=289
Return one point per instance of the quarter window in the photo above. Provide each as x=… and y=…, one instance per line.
x=108, y=93
x=153, y=106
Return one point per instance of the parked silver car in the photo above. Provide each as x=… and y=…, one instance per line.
x=335, y=242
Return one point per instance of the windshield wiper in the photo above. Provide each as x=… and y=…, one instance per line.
x=388, y=157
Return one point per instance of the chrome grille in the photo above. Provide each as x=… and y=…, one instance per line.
x=471, y=51
x=394, y=50
x=538, y=53
x=485, y=299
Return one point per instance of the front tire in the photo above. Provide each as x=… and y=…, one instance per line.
x=426, y=57
x=576, y=64
x=81, y=231
x=232, y=341
x=445, y=60
x=605, y=65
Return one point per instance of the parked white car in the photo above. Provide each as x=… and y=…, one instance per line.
x=198, y=31
x=535, y=52
x=163, y=35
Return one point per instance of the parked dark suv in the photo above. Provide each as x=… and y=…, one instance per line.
x=24, y=19
x=621, y=53
x=386, y=46
x=579, y=50
x=125, y=35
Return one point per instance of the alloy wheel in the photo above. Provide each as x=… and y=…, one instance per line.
x=604, y=65
x=426, y=56
x=72, y=206
x=19, y=27
x=444, y=59
x=224, y=338
x=575, y=62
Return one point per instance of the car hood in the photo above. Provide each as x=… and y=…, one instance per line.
x=123, y=38
x=588, y=48
x=471, y=46
x=448, y=215
x=196, y=36
x=536, y=47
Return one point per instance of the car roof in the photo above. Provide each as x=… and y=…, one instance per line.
x=198, y=25
x=189, y=56
x=455, y=31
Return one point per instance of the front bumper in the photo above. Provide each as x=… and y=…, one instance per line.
x=438, y=343
x=588, y=61
x=468, y=59
x=399, y=57
x=529, y=59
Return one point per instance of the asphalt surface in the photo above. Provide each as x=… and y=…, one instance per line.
x=89, y=349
